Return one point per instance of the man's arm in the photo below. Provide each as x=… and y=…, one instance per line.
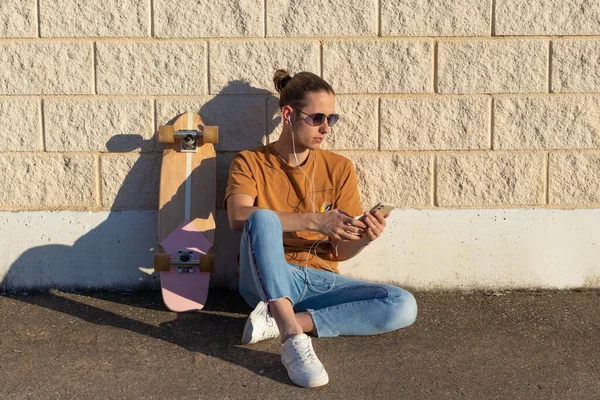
x=332, y=223
x=240, y=207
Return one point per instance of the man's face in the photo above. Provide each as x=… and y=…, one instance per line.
x=307, y=136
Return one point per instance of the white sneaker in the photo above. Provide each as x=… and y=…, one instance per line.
x=301, y=362
x=260, y=325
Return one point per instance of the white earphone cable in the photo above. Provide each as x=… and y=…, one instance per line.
x=312, y=195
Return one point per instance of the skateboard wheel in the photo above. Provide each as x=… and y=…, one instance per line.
x=166, y=134
x=207, y=263
x=210, y=134
x=162, y=262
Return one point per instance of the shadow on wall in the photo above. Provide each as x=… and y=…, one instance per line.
x=118, y=252
x=115, y=253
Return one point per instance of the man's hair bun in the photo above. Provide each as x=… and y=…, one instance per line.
x=281, y=78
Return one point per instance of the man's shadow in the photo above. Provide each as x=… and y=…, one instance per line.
x=111, y=252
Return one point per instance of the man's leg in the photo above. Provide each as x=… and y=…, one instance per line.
x=350, y=306
x=265, y=272
x=265, y=275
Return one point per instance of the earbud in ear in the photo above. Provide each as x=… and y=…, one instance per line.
x=289, y=118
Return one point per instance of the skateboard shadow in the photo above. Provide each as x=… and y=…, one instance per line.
x=119, y=249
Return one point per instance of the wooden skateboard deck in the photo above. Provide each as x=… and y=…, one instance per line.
x=186, y=212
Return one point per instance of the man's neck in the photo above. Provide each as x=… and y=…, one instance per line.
x=286, y=152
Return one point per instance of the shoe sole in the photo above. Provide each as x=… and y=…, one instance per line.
x=322, y=381
x=247, y=334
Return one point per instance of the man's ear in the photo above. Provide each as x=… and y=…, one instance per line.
x=286, y=113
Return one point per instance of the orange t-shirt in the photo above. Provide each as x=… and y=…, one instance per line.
x=275, y=185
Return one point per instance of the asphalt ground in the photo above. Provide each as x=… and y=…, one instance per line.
x=478, y=345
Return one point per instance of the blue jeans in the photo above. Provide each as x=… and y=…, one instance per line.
x=347, y=306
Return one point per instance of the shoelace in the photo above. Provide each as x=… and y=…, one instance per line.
x=269, y=319
x=305, y=353
x=270, y=323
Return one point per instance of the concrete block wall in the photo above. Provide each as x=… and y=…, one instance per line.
x=446, y=106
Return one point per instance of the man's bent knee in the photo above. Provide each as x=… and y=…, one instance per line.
x=264, y=217
x=403, y=310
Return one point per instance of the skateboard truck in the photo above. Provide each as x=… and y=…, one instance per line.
x=189, y=140
x=189, y=137
x=185, y=261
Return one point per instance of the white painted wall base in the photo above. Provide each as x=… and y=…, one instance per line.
x=485, y=249
x=421, y=249
x=73, y=250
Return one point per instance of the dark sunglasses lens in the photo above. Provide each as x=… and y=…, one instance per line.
x=317, y=119
x=332, y=119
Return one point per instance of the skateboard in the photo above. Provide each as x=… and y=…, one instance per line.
x=186, y=212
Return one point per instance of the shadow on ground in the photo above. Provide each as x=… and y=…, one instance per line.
x=215, y=331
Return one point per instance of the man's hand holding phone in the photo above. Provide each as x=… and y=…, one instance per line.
x=338, y=225
x=367, y=227
x=374, y=219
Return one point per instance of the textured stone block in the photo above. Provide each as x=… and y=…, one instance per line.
x=151, y=68
x=355, y=130
x=435, y=124
x=554, y=122
x=20, y=125
x=130, y=181
x=18, y=18
x=400, y=179
x=576, y=65
x=192, y=18
x=485, y=179
x=241, y=119
x=46, y=68
x=109, y=18
x=542, y=17
x=321, y=18
x=574, y=178
x=435, y=18
x=378, y=66
x=248, y=67
x=99, y=125
x=492, y=66
x=223, y=162
x=47, y=181
x=274, y=120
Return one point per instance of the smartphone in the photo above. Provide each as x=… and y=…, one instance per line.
x=383, y=207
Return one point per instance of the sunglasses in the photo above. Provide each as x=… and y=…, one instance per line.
x=318, y=119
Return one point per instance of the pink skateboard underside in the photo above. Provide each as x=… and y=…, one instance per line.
x=185, y=291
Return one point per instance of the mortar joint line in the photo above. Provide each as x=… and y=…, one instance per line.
x=243, y=39
x=207, y=67
x=265, y=17
x=378, y=18
x=378, y=119
x=547, y=178
x=39, y=20
x=493, y=18
x=434, y=180
x=155, y=145
x=42, y=124
x=95, y=67
x=549, y=72
x=321, y=56
x=492, y=116
x=151, y=16
x=435, y=67
x=98, y=181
